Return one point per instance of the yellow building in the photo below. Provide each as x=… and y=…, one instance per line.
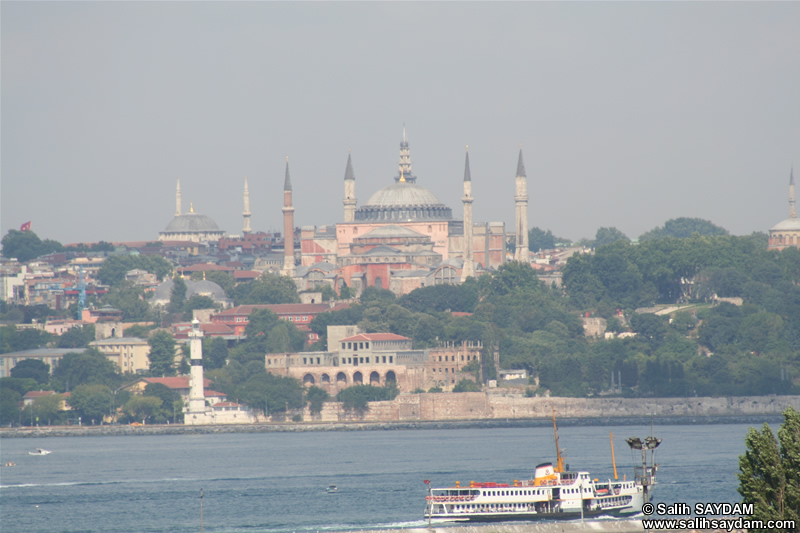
x=130, y=354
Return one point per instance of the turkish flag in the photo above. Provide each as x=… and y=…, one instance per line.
x=26, y=226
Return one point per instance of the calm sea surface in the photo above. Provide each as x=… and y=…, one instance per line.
x=275, y=482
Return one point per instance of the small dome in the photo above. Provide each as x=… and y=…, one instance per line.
x=790, y=224
x=191, y=223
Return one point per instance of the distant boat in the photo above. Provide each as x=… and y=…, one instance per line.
x=331, y=488
x=40, y=451
x=9, y=463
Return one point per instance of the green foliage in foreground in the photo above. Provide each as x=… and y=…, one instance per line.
x=356, y=398
x=769, y=475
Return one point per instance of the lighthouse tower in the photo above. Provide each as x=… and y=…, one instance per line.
x=197, y=399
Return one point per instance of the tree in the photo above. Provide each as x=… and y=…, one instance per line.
x=316, y=397
x=9, y=405
x=770, y=471
x=32, y=368
x=683, y=228
x=88, y=368
x=91, y=402
x=13, y=340
x=177, y=297
x=77, y=337
x=215, y=353
x=162, y=354
x=130, y=299
x=608, y=236
x=466, y=385
x=540, y=240
x=269, y=289
x=115, y=267
x=142, y=407
x=138, y=331
x=43, y=409
x=197, y=302
x=26, y=245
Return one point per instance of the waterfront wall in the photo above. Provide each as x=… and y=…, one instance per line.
x=473, y=409
x=496, y=405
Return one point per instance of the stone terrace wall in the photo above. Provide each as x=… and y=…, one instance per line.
x=479, y=405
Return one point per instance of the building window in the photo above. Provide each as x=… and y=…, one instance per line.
x=366, y=345
x=390, y=358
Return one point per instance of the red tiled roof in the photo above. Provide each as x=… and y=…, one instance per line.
x=208, y=393
x=177, y=382
x=376, y=337
x=246, y=274
x=460, y=313
x=225, y=404
x=39, y=393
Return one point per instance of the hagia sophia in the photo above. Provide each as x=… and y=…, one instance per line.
x=402, y=238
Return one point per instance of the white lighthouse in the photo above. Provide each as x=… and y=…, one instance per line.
x=197, y=399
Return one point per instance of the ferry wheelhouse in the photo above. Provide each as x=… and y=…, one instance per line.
x=552, y=493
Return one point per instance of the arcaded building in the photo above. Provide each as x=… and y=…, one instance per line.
x=357, y=358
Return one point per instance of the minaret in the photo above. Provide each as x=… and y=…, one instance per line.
x=792, y=212
x=521, y=212
x=178, y=199
x=404, y=167
x=246, y=213
x=288, y=225
x=197, y=399
x=467, y=271
x=349, y=192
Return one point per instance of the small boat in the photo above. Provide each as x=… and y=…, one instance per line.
x=9, y=463
x=40, y=451
x=331, y=489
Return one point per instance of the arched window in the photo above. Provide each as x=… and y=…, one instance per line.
x=325, y=378
x=391, y=377
x=374, y=378
x=341, y=377
x=358, y=378
x=308, y=379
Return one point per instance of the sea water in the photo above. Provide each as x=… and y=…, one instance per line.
x=276, y=482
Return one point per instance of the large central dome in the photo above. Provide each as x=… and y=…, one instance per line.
x=404, y=200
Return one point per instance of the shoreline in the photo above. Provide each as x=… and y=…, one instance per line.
x=572, y=526
x=296, y=427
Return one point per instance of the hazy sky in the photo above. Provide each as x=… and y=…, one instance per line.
x=629, y=114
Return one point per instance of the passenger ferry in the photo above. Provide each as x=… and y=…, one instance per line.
x=552, y=493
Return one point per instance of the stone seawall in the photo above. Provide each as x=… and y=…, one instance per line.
x=475, y=410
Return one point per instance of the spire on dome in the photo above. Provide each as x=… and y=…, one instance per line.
x=178, y=199
x=348, y=172
x=792, y=212
x=521, y=166
x=404, y=166
x=287, y=182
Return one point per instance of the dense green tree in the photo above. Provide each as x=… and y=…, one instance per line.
x=115, y=267
x=268, y=289
x=142, y=408
x=356, y=398
x=10, y=400
x=32, y=368
x=138, y=330
x=373, y=294
x=20, y=385
x=215, y=352
x=87, y=368
x=177, y=296
x=77, y=337
x=91, y=402
x=316, y=397
x=610, y=235
x=433, y=298
x=26, y=245
x=466, y=385
x=683, y=228
x=769, y=475
x=131, y=300
x=539, y=239
x=45, y=410
x=224, y=279
x=13, y=340
x=162, y=354
x=271, y=394
x=197, y=302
